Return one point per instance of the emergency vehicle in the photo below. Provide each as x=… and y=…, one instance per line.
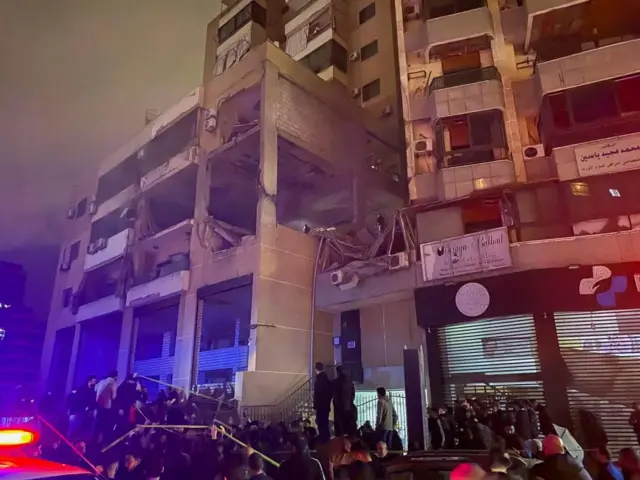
x=17, y=464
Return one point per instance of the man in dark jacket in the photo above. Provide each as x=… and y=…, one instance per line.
x=301, y=465
x=557, y=465
x=322, y=394
x=344, y=410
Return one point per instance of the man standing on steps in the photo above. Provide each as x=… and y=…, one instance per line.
x=322, y=395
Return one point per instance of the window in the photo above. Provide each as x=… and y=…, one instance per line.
x=67, y=293
x=252, y=12
x=223, y=375
x=367, y=13
x=81, y=208
x=628, y=92
x=559, y=110
x=468, y=139
x=74, y=251
x=325, y=56
x=369, y=50
x=371, y=90
x=593, y=102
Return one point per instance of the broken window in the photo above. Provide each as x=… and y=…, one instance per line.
x=474, y=138
x=117, y=179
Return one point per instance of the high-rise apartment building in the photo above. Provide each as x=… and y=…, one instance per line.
x=514, y=126
x=523, y=133
x=187, y=258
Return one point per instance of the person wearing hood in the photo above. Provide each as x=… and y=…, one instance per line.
x=557, y=464
x=386, y=417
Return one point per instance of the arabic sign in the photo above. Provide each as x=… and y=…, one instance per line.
x=613, y=155
x=478, y=252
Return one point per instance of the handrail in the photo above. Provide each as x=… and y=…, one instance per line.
x=464, y=77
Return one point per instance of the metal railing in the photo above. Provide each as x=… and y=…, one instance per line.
x=464, y=77
x=298, y=403
x=367, y=412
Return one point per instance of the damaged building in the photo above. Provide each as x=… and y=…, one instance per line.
x=191, y=258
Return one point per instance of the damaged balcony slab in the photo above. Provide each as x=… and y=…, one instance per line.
x=99, y=308
x=114, y=249
x=158, y=289
x=600, y=249
x=463, y=26
x=117, y=201
x=174, y=235
x=172, y=167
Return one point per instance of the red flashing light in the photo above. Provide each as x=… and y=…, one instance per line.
x=17, y=438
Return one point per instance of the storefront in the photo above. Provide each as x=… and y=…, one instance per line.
x=569, y=337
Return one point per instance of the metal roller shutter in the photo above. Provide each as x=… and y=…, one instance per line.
x=602, y=353
x=495, y=359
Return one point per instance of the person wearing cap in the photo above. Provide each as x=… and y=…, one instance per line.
x=557, y=464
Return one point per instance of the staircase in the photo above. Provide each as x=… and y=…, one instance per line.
x=296, y=404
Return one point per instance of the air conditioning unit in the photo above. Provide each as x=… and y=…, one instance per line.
x=423, y=146
x=533, y=151
x=71, y=213
x=355, y=93
x=92, y=209
x=210, y=124
x=194, y=154
x=91, y=248
x=399, y=261
x=411, y=12
x=354, y=56
x=337, y=277
x=65, y=266
x=386, y=111
x=101, y=244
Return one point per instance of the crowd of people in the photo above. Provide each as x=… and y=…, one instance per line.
x=116, y=429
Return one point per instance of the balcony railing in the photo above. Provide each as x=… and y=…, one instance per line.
x=472, y=156
x=465, y=77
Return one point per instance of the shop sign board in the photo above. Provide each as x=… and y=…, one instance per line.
x=478, y=252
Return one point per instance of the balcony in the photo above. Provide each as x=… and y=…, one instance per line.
x=590, y=66
x=159, y=288
x=169, y=168
x=462, y=181
x=100, y=307
x=115, y=202
x=115, y=248
x=461, y=26
x=465, y=92
x=466, y=77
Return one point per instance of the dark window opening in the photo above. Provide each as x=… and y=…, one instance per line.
x=81, y=208
x=226, y=319
x=172, y=141
x=628, y=93
x=223, y=375
x=441, y=8
x=252, y=12
x=371, y=90
x=468, y=139
x=74, y=251
x=591, y=112
x=325, y=56
x=367, y=13
x=117, y=179
x=109, y=225
x=67, y=293
x=369, y=50
x=481, y=215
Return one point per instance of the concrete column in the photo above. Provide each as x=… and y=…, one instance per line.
x=74, y=358
x=127, y=344
x=280, y=346
x=504, y=59
x=185, y=340
x=188, y=310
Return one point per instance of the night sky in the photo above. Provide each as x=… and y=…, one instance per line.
x=76, y=77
